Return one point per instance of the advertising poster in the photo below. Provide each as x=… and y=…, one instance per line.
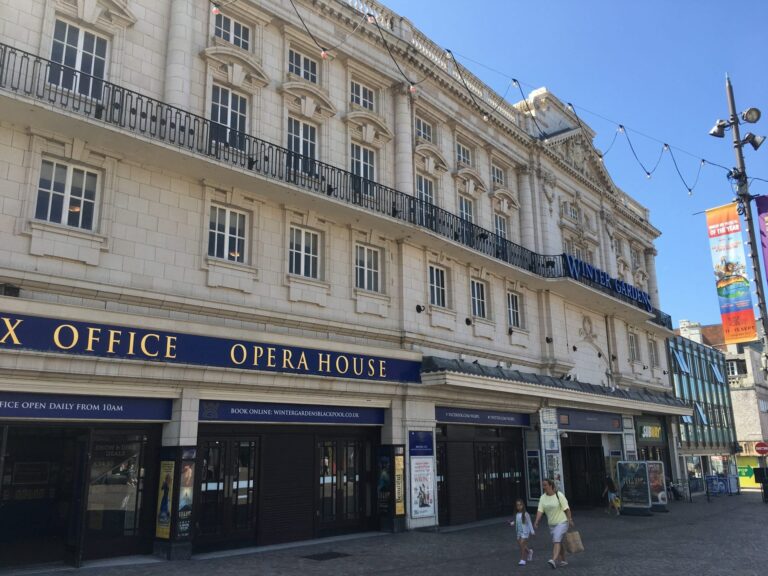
x=729, y=262
x=165, y=499
x=422, y=487
x=634, y=487
x=384, y=481
x=186, y=490
x=658, y=485
x=534, y=474
x=399, y=485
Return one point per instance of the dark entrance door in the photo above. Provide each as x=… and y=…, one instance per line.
x=228, y=472
x=37, y=494
x=584, y=468
x=342, y=472
x=443, y=508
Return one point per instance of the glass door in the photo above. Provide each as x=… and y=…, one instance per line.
x=228, y=489
x=117, y=501
x=342, y=471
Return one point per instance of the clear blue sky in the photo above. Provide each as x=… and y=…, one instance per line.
x=657, y=67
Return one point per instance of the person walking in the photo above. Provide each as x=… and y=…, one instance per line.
x=554, y=504
x=524, y=529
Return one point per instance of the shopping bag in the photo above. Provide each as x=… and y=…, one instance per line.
x=573, y=543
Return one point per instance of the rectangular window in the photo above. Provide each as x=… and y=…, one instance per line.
x=66, y=195
x=79, y=60
x=466, y=208
x=361, y=95
x=425, y=193
x=477, y=289
x=500, y=224
x=681, y=363
x=367, y=268
x=514, y=315
x=437, y=287
x=302, y=142
x=653, y=353
x=718, y=375
x=226, y=234
x=634, y=352
x=423, y=129
x=363, y=165
x=498, y=177
x=701, y=414
x=463, y=154
x=304, y=253
x=229, y=112
x=635, y=257
x=302, y=66
x=573, y=211
x=619, y=246
x=232, y=31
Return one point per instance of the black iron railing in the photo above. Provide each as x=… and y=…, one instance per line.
x=101, y=101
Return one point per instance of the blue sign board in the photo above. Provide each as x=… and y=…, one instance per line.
x=75, y=407
x=420, y=443
x=19, y=332
x=578, y=269
x=226, y=411
x=481, y=417
x=588, y=421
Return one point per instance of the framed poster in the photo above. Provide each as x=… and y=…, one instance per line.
x=422, y=487
x=634, y=487
x=164, y=499
x=658, y=485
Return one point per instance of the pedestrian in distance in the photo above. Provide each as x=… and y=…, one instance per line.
x=609, y=490
x=524, y=529
x=555, y=506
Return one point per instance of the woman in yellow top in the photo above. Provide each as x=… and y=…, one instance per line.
x=555, y=506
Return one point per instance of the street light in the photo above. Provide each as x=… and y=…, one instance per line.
x=739, y=176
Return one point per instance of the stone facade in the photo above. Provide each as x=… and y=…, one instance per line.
x=374, y=262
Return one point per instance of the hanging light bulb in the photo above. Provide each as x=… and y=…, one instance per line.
x=648, y=175
x=324, y=54
x=215, y=10
x=371, y=19
x=515, y=83
x=621, y=128
x=412, y=89
x=448, y=54
x=485, y=117
x=666, y=147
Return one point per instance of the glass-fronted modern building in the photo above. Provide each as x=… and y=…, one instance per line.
x=708, y=437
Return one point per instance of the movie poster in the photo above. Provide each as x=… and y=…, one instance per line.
x=186, y=490
x=658, y=485
x=634, y=487
x=165, y=500
x=422, y=487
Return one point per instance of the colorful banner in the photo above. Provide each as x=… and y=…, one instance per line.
x=730, y=266
x=761, y=202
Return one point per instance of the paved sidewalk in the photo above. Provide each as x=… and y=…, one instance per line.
x=727, y=536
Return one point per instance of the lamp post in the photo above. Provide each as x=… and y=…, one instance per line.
x=739, y=176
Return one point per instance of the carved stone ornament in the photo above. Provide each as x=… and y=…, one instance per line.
x=587, y=331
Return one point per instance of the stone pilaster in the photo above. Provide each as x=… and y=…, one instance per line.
x=404, y=176
x=178, y=64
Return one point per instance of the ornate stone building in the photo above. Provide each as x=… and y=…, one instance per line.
x=266, y=283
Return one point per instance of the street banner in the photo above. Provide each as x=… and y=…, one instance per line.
x=761, y=202
x=733, y=290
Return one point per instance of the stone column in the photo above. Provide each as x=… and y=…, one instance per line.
x=527, y=231
x=178, y=63
x=404, y=176
x=650, y=268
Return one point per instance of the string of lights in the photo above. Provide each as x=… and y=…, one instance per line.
x=326, y=50
x=621, y=128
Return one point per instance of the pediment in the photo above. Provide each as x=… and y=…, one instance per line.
x=579, y=154
x=433, y=158
x=114, y=11
x=242, y=67
x=472, y=179
x=311, y=101
x=372, y=127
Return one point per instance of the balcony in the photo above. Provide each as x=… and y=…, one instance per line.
x=102, y=102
